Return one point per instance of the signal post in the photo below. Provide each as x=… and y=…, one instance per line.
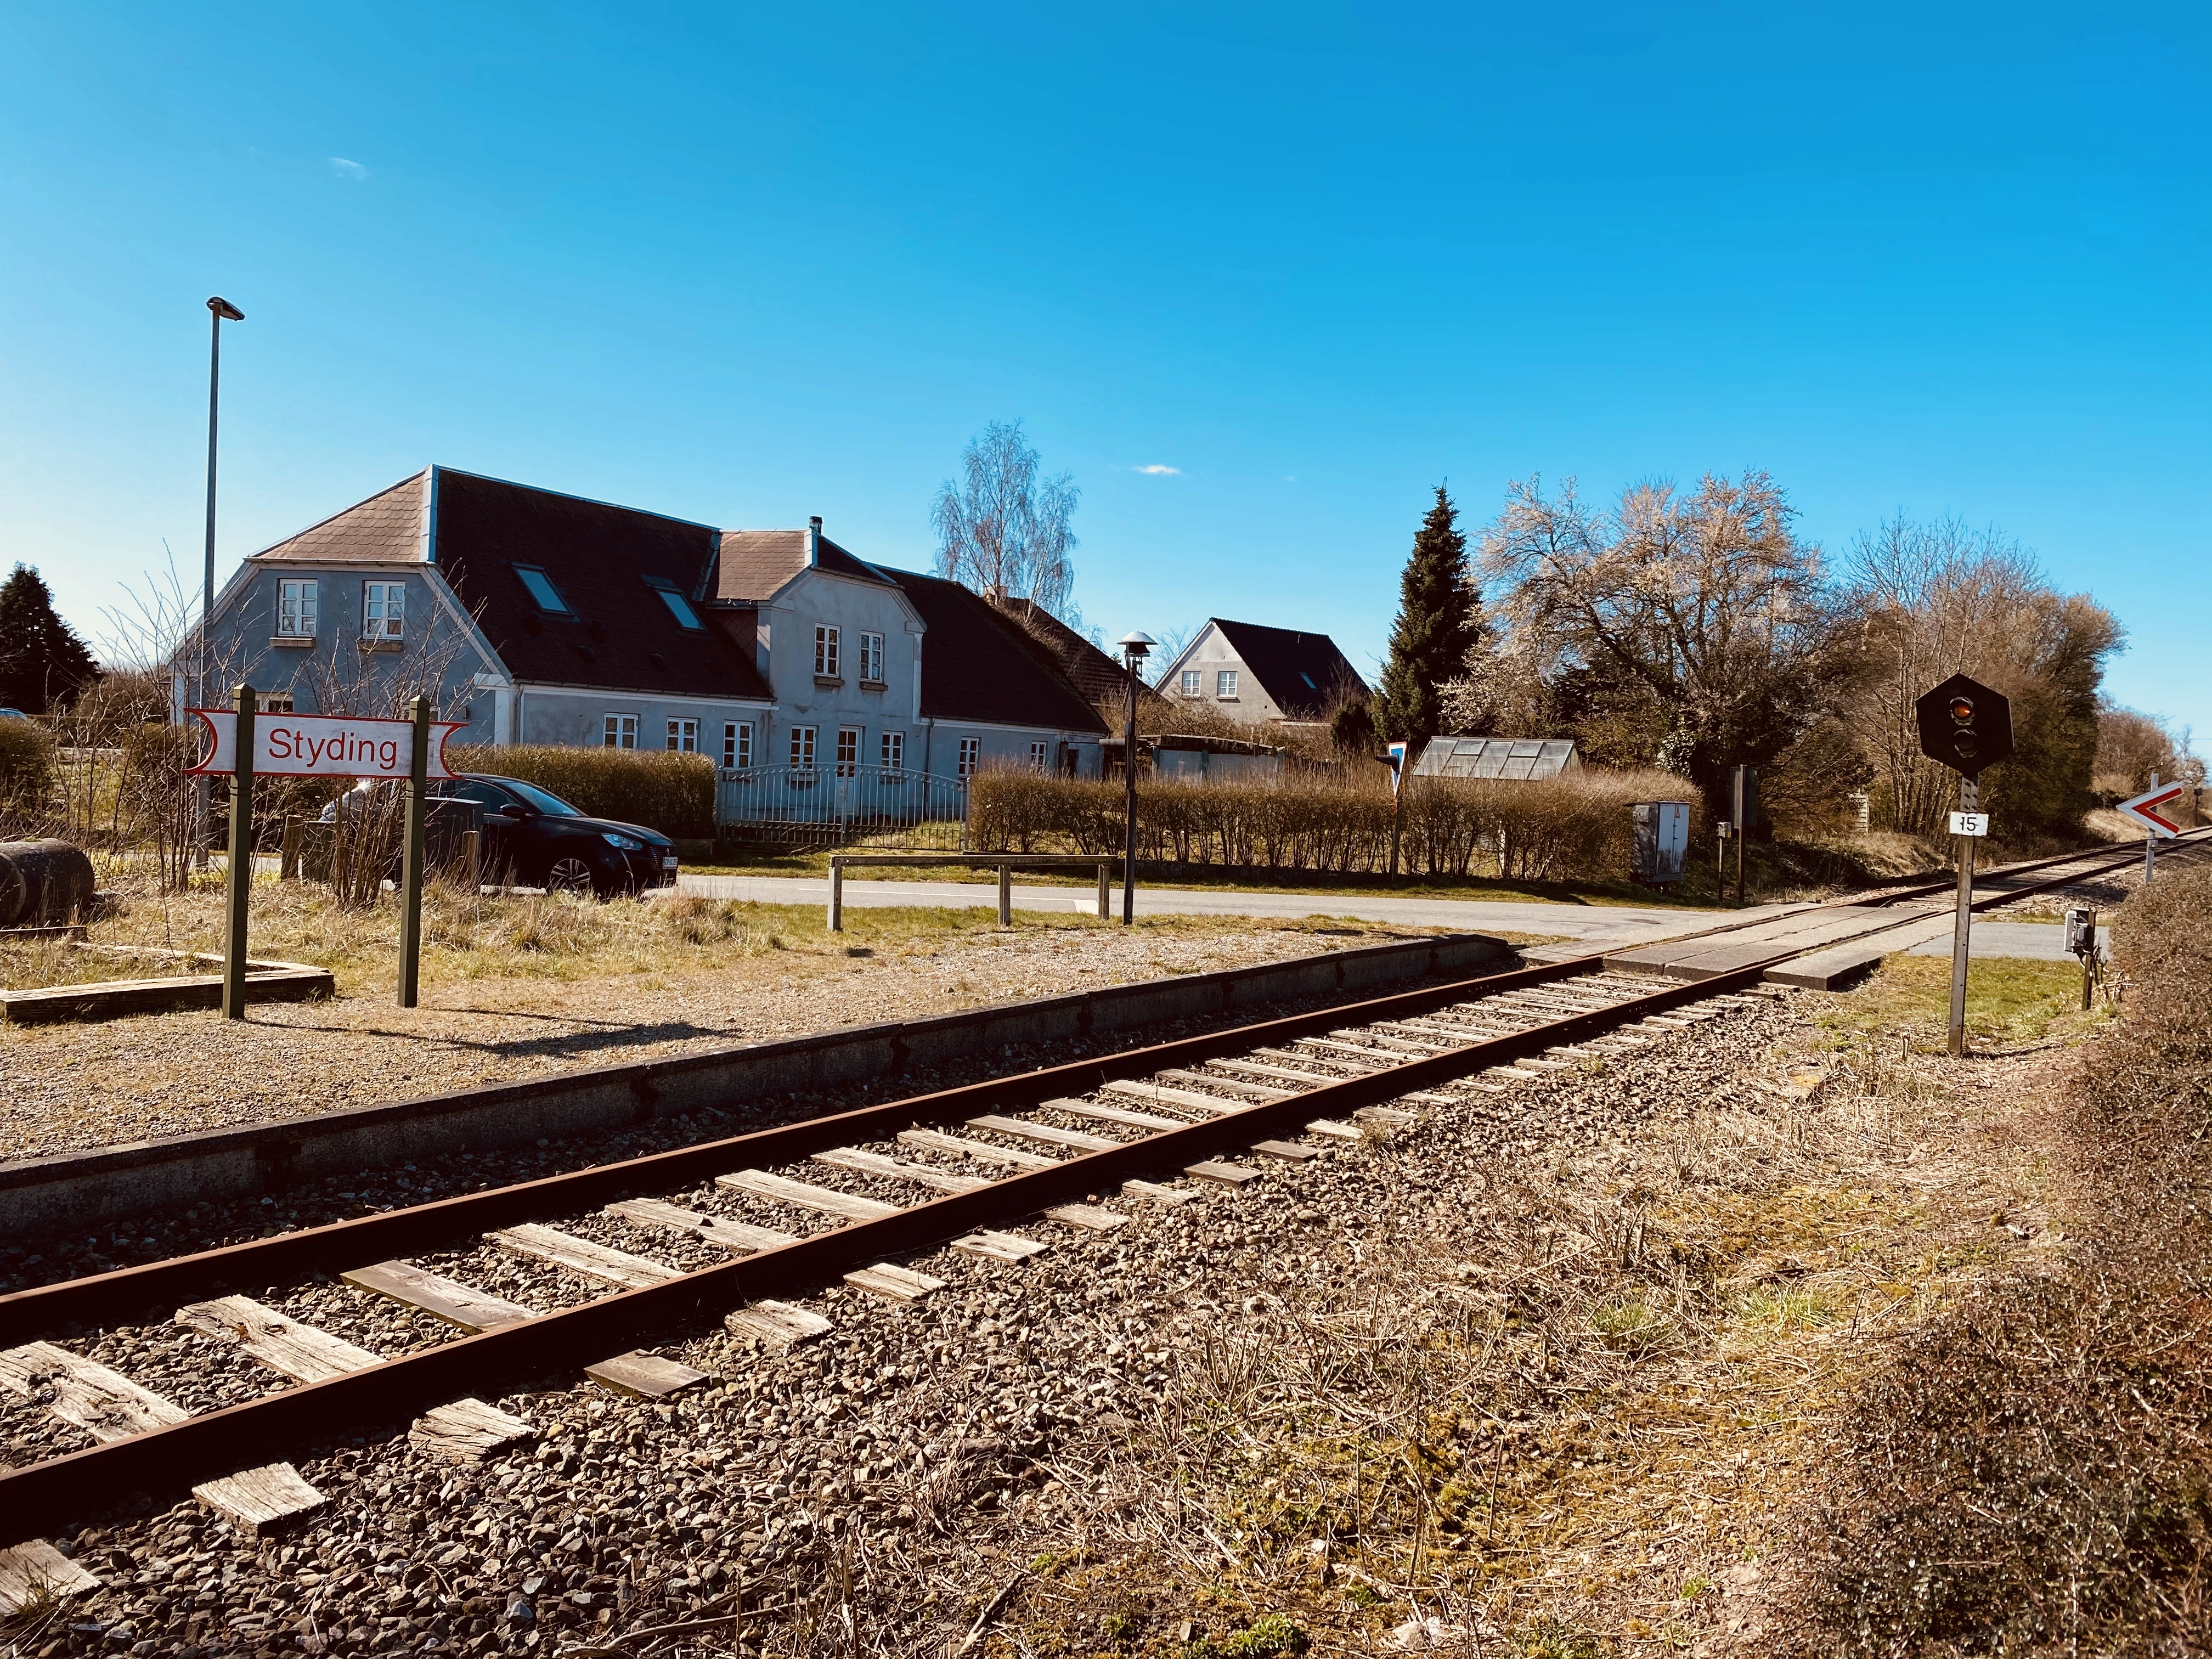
x=1968, y=726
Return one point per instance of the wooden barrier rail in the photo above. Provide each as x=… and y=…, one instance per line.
x=1005, y=863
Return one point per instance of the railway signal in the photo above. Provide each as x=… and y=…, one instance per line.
x=1968, y=727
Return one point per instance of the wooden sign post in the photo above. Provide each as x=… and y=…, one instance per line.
x=245, y=745
x=410, y=875
x=241, y=860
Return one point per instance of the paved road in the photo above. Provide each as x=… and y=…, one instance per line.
x=2037, y=941
x=1605, y=923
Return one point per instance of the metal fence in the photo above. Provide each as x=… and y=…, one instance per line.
x=841, y=806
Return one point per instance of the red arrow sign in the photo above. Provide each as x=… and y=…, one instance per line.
x=2139, y=809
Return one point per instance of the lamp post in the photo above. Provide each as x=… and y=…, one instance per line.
x=1135, y=647
x=220, y=311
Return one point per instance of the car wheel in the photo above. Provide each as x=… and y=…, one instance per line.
x=569, y=875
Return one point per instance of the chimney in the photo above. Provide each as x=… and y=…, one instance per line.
x=814, y=541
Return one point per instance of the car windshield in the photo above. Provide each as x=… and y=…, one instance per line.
x=552, y=805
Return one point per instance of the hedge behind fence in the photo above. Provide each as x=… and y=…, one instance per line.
x=672, y=793
x=1572, y=828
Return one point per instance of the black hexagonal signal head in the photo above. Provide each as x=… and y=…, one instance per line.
x=1964, y=724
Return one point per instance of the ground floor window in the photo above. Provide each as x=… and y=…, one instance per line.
x=849, y=751
x=622, y=731
x=737, y=745
x=971, y=750
x=1040, y=754
x=802, y=749
x=683, y=736
x=894, y=752
x=273, y=703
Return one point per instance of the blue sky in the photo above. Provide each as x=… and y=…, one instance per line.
x=742, y=265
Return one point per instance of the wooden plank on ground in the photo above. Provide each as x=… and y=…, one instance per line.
x=1089, y=1217
x=998, y=1247
x=1045, y=1134
x=105, y=1404
x=1330, y=1128
x=893, y=1283
x=1144, y=1121
x=34, y=1573
x=1390, y=1117
x=1289, y=1150
x=741, y=1237
x=648, y=1376
x=1344, y=1062
x=1012, y=1158
x=1189, y=1098
x=300, y=1352
x=582, y=1256
x=468, y=1431
x=441, y=1297
x=898, y=1169
x=826, y=1199
x=261, y=1501
x=1364, y=1051
x=1158, y=1194
x=778, y=1326
x=1234, y=1085
x=1223, y=1175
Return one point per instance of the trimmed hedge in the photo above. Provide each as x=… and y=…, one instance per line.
x=662, y=790
x=29, y=773
x=1573, y=828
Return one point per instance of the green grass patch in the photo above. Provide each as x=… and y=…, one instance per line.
x=2010, y=1000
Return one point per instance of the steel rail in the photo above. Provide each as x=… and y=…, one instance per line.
x=296, y=1421
x=2120, y=861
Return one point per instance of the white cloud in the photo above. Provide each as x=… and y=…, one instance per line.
x=345, y=169
x=1158, y=471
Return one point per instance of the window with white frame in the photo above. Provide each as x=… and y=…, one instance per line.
x=1040, y=754
x=1224, y=684
x=296, y=609
x=621, y=732
x=273, y=703
x=383, y=610
x=737, y=745
x=872, y=659
x=683, y=736
x=849, y=751
x=1191, y=682
x=825, y=652
x=802, y=749
x=893, y=749
x=971, y=752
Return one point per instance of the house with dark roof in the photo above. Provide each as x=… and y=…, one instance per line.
x=1260, y=675
x=538, y=617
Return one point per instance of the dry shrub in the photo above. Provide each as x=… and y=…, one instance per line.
x=27, y=776
x=2030, y=1474
x=1576, y=827
x=659, y=789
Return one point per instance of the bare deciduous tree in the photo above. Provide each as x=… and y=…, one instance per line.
x=1003, y=530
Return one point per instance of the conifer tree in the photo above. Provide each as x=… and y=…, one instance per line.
x=1437, y=623
x=43, y=663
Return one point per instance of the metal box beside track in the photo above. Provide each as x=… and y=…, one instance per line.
x=1660, y=844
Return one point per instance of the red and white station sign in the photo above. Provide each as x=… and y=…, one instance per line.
x=322, y=745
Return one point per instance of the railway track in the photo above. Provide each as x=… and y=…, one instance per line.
x=571, y=1273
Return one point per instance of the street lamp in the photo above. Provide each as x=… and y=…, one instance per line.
x=1135, y=647
x=220, y=311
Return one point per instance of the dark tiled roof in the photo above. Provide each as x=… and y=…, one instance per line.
x=620, y=634
x=1088, y=669
x=979, y=664
x=1301, y=673
x=755, y=563
x=388, y=525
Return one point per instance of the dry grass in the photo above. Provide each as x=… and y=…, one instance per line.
x=1559, y=1430
x=494, y=936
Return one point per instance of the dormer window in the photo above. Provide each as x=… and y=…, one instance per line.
x=679, y=606
x=542, y=589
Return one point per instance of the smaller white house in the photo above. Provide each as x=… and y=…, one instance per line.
x=1261, y=675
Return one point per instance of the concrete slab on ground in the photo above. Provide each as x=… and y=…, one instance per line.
x=1705, y=958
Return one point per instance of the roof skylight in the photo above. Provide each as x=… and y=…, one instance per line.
x=680, y=608
x=542, y=589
